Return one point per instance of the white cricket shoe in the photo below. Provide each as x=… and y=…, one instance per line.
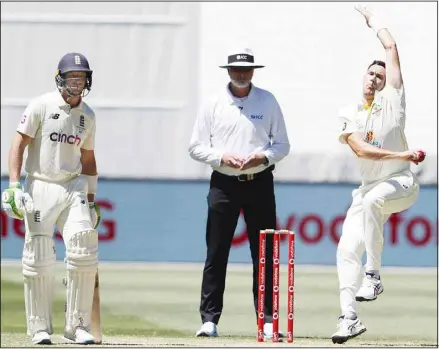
x=41, y=337
x=268, y=331
x=370, y=289
x=347, y=329
x=208, y=329
x=80, y=336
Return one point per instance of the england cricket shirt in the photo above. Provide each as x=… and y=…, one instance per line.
x=58, y=132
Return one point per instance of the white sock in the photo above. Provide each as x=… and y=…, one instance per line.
x=374, y=273
x=350, y=316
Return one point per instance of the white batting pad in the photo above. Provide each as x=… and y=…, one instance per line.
x=38, y=264
x=82, y=265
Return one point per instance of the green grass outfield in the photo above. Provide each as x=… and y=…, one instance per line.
x=150, y=304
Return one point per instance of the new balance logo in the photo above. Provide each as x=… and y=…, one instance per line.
x=54, y=116
x=37, y=216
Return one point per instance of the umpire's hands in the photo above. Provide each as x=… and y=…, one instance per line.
x=253, y=160
x=232, y=160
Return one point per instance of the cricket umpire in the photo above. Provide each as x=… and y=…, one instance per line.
x=241, y=134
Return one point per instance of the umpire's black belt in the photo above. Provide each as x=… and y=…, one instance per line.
x=246, y=177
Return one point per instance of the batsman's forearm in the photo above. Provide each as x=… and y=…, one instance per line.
x=90, y=172
x=89, y=168
x=15, y=162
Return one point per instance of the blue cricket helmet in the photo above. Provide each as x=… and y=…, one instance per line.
x=73, y=62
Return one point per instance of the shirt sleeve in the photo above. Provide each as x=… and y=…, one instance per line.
x=279, y=146
x=200, y=146
x=347, y=123
x=396, y=98
x=395, y=95
x=31, y=119
x=89, y=142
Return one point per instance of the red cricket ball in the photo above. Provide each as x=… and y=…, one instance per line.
x=421, y=155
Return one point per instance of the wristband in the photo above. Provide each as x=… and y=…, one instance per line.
x=92, y=183
x=376, y=24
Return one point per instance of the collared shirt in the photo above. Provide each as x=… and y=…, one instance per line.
x=59, y=132
x=241, y=126
x=383, y=126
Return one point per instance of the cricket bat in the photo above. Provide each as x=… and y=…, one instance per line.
x=96, y=327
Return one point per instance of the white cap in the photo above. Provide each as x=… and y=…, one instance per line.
x=241, y=58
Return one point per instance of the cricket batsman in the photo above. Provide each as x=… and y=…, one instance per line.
x=58, y=128
x=375, y=131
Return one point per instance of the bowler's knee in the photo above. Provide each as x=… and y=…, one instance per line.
x=372, y=202
x=82, y=250
x=348, y=250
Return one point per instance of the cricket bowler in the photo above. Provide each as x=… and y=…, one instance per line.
x=375, y=131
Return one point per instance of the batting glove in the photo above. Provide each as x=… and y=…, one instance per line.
x=95, y=214
x=12, y=202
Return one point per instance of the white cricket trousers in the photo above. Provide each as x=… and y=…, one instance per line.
x=363, y=227
x=62, y=204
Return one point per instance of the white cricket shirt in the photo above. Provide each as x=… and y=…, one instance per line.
x=242, y=126
x=382, y=126
x=58, y=132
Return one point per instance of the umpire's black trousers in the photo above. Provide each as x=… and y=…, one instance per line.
x=227, y=196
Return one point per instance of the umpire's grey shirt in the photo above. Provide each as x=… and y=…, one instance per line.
x=241, y=126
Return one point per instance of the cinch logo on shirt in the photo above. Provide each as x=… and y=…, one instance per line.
x=64, y=138
x=259, y=117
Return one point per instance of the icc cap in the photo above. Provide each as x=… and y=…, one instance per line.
x=241, y=58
